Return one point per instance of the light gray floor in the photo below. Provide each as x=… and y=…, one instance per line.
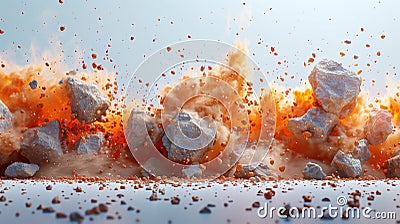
x=238, y=196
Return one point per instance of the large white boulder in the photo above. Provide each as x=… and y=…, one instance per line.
x=335, y=87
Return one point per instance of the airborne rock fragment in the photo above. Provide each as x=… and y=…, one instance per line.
x=378, y=127
x=87, y=101
x=335, y=87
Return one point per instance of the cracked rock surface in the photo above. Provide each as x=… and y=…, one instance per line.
x=361, y=151
x=90, y=144
x=393, y=167
x=345, y=165
x=316, y=124
x=87, y=101
x=335, y=87
x=189, y=137
x=135, y=136
x=378, y=127
x=21, y=170
x=42, y=144
x=5, y=117
x=313, y=171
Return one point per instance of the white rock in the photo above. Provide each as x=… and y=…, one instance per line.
x=5, y=117
x=21, y=170
x=42, y=144
x=262, y=170
x=87, y=101
x=188, y=137
x=192, y=171
x=313, y=171
x=243, y=171
x=135, y=136
x=345, y=165
x=335, y=87
x=378, y=127
x=361, y=151
x=393, y=167
x=315, y=125
x=90, y=144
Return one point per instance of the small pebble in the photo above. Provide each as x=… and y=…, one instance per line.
x=33, y=84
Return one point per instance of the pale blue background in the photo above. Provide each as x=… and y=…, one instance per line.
x=295, y=28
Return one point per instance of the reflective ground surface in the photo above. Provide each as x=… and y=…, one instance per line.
x=129, y=201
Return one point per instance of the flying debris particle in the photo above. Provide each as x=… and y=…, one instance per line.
x=1, y=31
x=378, y=127
x=383, y=36
x=347, y=41
x=132, y=37
x=62, y=28
x=33, y=84
x=94, y=56
x=342, y=54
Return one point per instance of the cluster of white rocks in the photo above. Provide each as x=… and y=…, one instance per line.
x=42, y=144
x=336, y=90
